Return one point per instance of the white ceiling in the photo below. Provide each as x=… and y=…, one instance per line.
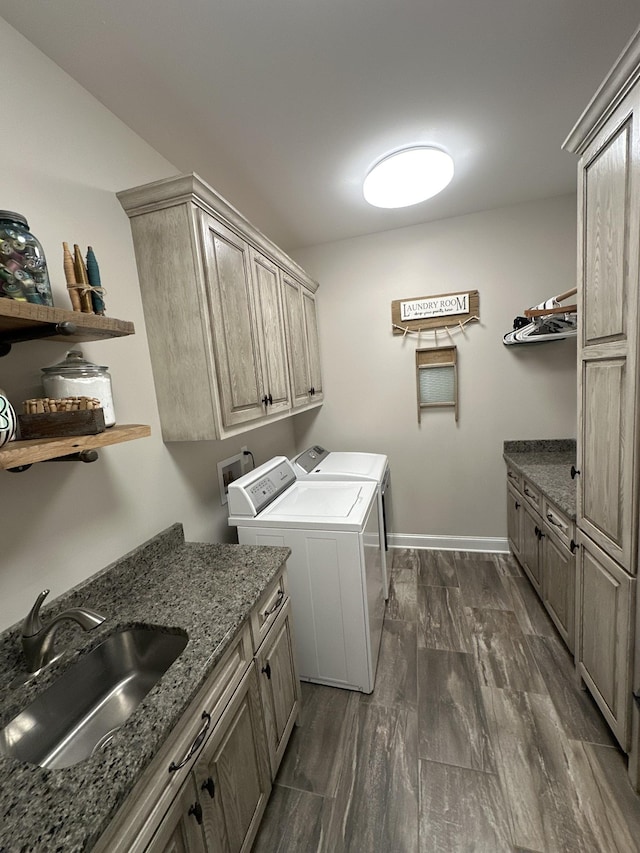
x=293, y=100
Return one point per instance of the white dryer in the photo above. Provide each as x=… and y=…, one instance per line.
x=335, y=567
x=316, y=463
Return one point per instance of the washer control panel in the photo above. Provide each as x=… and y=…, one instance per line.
x=311, y=458
x=251, y=493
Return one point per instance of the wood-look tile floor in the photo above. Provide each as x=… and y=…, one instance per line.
x=477, y=736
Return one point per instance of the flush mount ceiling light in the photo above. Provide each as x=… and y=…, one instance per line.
x=408, y=177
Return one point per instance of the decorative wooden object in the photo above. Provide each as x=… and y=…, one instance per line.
x=82, y=279
x=93, y=273
x=400, y=327
x=437, y=379
x=53, y=424
x=70, y=277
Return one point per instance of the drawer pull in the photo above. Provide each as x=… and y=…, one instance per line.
x=573, y=546
x=210, y=786
x=196, y=811
x=551, y=518
x=275, y=605
x=530, y=494
x=195, y=746
x=512, y=475
x=574, y=472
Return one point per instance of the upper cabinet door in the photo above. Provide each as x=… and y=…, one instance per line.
x=313, y=344
x=233, y=322
x=268, y=300
x=609, y=241
x=298, y=354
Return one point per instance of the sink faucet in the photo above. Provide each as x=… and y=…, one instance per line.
x=38, y=639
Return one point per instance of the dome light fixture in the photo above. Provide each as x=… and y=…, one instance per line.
x=408, y=177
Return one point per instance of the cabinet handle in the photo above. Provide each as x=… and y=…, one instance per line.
x=267, y=670
x=574, y=472
x=195, y=746
x=276, y=604
x=312, y=391
x=517, y=505
x=210, y=786
x=538, y=532
x=196, y=811
x=529, y=493
x=265, y=400
x=573, y=546
x=551, y=518
x=270, y=400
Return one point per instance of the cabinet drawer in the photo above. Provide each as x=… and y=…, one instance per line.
x=532, y=494
x=266, y=612
x=514, y=478
x=558, y=522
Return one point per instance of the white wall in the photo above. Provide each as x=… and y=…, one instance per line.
x=448, y=479
x=63, y=162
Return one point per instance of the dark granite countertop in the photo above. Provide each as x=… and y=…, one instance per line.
x=547, y=465
x=207, y=591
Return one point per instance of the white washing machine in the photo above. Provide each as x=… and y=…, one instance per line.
x=316, y=463
x=335, y=567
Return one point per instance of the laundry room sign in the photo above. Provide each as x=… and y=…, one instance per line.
x=432, y=312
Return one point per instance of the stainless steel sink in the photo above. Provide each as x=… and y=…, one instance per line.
x=80, y=712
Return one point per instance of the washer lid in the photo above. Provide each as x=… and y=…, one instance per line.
x=345, y=465
x=325, y=505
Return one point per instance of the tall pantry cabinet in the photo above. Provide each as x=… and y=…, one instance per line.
x=607, y=138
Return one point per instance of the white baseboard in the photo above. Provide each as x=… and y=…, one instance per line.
x=488, y=544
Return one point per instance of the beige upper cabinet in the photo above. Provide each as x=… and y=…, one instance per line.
x=214, y=299
x=304, y=353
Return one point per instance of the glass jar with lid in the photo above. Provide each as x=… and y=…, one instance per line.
x=23, y=268
x=76, y=377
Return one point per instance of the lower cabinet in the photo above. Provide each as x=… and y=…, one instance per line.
x=606, y=596
x=541, y=539
x=224, y=798
x=207, y=788
x=279, y=686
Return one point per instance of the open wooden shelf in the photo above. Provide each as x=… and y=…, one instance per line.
x=17, y=453
x=22, y=321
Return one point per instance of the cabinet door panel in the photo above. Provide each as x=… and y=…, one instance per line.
x=605, y=481
x=298, y=361
x=274, y=352
x=279, y=686
x=233, y=772
x=606, y=596
x=606, y=209
x=233, y=321
x=313, y=344
x=180, y=831
x=531, y=547
x=514, y=521
x=559, y=583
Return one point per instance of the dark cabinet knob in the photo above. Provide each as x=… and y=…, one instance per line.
x=267, y=670
x=574, y=472
x=196, y=811
x=265, y=400
x=270, y=400
x=573, y=546
x=210, y=786
x=517, y=505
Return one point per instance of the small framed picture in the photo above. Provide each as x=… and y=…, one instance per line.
x=228, y=471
